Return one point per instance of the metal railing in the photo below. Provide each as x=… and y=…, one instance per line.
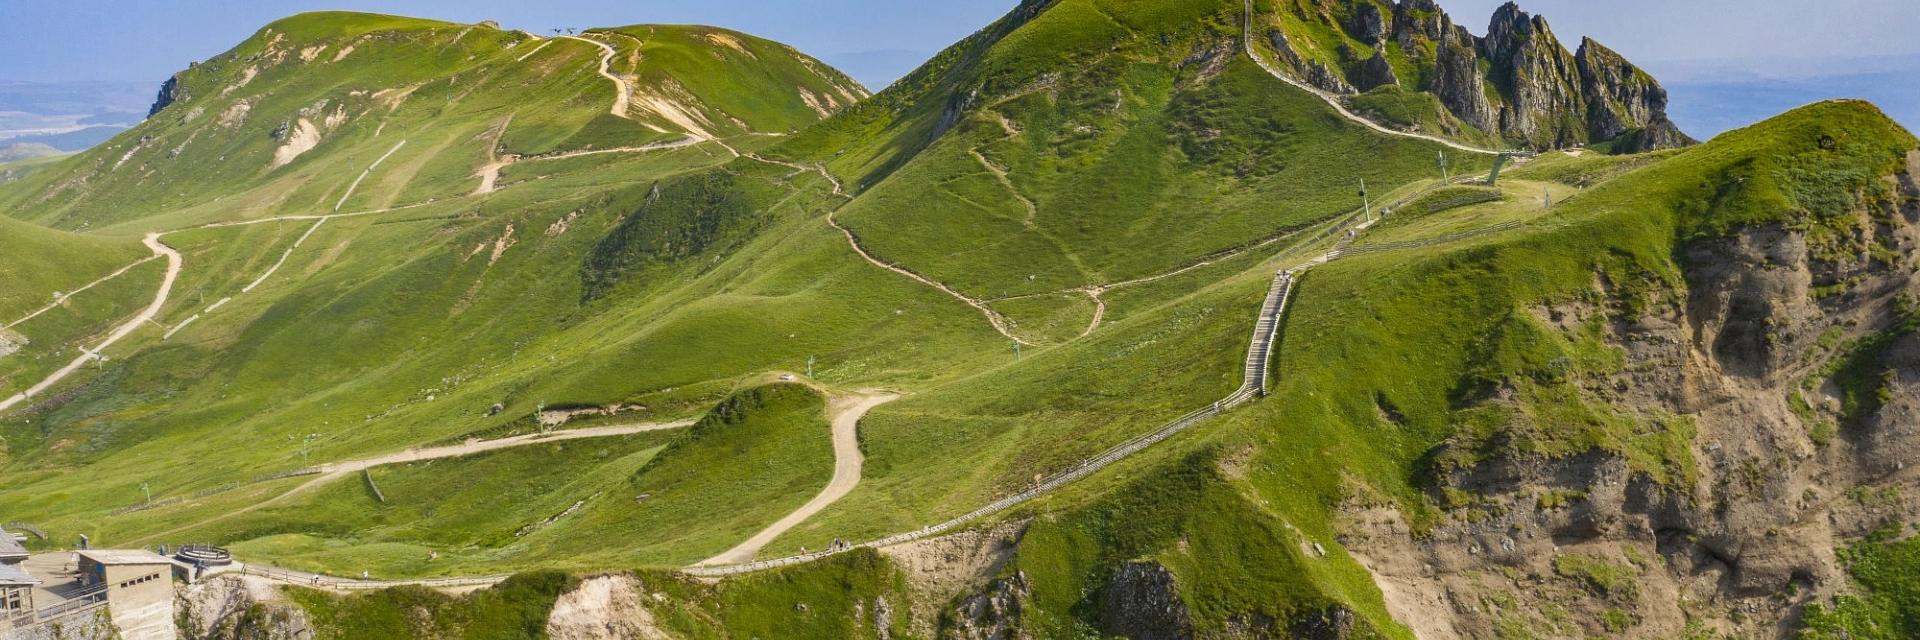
x=329, y=582
x=22, y=526
x=93, y=597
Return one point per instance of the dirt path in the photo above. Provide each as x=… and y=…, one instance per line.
x=336, y=470
x=490, y=173
x=1334, y=101
x=607, y=53
x=159, y=300
x=363, y=175
x=283, y=256
x=1001, y=174
x=993, y=317
x=90, y=285
x=846, y=475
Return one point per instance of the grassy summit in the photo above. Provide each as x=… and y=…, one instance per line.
x=286, y=122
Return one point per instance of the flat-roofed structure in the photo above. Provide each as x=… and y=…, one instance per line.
x=139, y=587
x=16, y=587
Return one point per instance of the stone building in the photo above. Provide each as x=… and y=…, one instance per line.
x=139, y=589
x=16, y=587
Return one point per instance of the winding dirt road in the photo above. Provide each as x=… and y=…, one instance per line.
x=847, y=461
x=607, y=53
x=174, y=262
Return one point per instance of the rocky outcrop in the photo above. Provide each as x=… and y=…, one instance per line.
x=993, y=614
x=1313, y=72
x=1518, y=83
x=1374, y=73
x=171, y=92
x=1616, y=92
x=1368, y=24
x=1538, y=79
x=1660, y=133
x=1141, y=603
x=1786, y=470
x=609, y=607
x=1457, y=81
x=239, y=608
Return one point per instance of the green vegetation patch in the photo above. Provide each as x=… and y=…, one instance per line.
x=756, y=457
x=1886, y=571
x=513, y=610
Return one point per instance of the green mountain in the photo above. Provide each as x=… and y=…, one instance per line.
x=286, y=122
x=510, y=314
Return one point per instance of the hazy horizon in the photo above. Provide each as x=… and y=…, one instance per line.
x=1725, y=64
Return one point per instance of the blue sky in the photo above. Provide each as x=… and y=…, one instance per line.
x=1794, y=46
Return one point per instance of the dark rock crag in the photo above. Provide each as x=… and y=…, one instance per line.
x=1518, y=83
x=171, y=92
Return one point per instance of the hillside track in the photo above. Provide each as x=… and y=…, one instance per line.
x=999, y=322
x=90, y=285
x=174, y=263
x=335, y=470
x=624, y=92
x=847, y=460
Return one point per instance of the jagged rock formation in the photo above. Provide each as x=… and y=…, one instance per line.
x=171, y=92
x=1519, y=83
x=1376, y=72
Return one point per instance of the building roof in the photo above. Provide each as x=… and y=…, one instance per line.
x=11, y=575
x=124, y=556
x=11, y=549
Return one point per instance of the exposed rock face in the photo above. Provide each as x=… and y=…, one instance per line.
x=171, y=91
x=1541, y=95
x=1334, y=623
x=1141, y=603
x=1538, y=78
x=606, y=607
x=1376, y=72
x=1368, y=25
x=993, y=614
x=239, y=608
x=1457, y=81
x=1616, y=92
x=1314, y=72
x=1755, y=534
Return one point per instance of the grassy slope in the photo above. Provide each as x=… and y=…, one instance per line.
x=35, y=263
x=391, y=330
x=456, y=94
x=477, y=508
